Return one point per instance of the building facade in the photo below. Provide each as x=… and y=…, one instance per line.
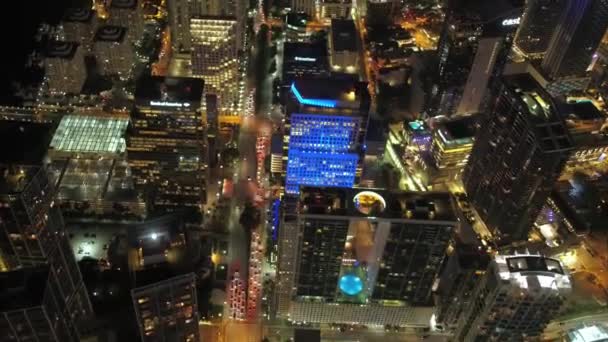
x=214, y=58
x=64, y=67
x=578, y=35
x=335, y=9
x=326, y=123
x=168, y=310
x=518, y=155
x=515, y=299
x=537, y=26
x=129, y=14
x=32, y=234
x=79, y=25
x=166, y=145
x=306, y=6
x=476, y=39
x=362, y=257
x=113, y=52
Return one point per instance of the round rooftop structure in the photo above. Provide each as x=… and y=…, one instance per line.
x=351, y=285
x=368, y=201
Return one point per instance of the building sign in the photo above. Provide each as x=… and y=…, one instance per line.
x=169, y=104
x=305, y=59
x=511, y=22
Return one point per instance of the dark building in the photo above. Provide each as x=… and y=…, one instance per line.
x=343, y=50
x=476, y=39
x=32, y=307
x=32, y=234
x=166, y=144
x=578, y=35
x=304, y=60
x=537, y=26
x=166, y=307
x=518, y=155
x=382, y=12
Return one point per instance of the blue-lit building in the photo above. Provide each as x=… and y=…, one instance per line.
x=326, y=124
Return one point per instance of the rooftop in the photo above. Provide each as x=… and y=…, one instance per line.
x=109, y=33
x=90, y=134
x=487, y=10
x=167, y=90
x=304, y=52
x=528, y=271
x=15, y=178
x=64, y=50
x=158, y=277
x=23, y=288
x=459, y=128
x=78, y=14
x=589, y=333
x=330, y=92
x=28, y=142
x=344, y=35
x=124, y=4
x=434, y=206
x=297, y=19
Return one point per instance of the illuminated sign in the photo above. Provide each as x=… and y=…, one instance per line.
x=511, y=22
x=305, y=59
x=168, y=104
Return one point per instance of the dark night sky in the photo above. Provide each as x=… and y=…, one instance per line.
x=18, y=27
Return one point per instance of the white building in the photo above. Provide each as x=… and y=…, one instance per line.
x=515, y=299
x=113, y=52
x=335, y=9
x=65, y=71
x=214, y=58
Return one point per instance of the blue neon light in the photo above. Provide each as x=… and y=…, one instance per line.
x=351, y=285
x=312, y=102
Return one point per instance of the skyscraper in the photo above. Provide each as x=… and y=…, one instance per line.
x=32, y=234
x=326, y=122
x=129, y=14
x=307, y=6
x=515, y=299
x=166, y=144
x=214, y=58
x=362, y=256
x=578, y=35
x=518, y=154
x=113, y=52
x=343, y=51
x=79, y=25
x=476, y=39
x=65, y=71
x=382, y=12
x=537, y=26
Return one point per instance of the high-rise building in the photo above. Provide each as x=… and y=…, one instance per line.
x=79, y=25
x=518, y=154
x=166, y=310
x=129, y=14
x=537, y=26
x=476, y=39
x=32, y=307
x=166, y=144
x=306, y=6
x=361, y=256
x=296, y=30
x=335, y=9
x=64, y=67
x=181, y=12
x=32, y=234
x=515, y=299
x=304, y=60
x=326, y=123
x=578, y=35
x=113, y=52
x=214, y=58
x=381, y=12
x=452, y=143
x=343, y=51
x=587, y=127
